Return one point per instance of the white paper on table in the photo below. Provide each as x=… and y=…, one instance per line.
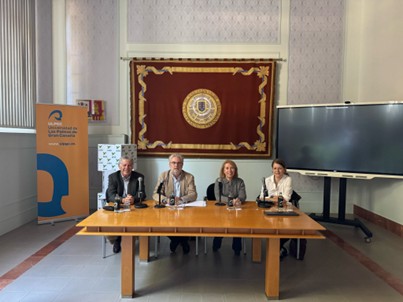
x=197, y=203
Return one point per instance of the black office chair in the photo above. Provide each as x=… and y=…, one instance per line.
x=210, y=195
x=295, y=198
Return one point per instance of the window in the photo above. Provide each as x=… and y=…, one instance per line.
x=17, y=64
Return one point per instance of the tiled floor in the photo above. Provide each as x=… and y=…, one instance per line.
x=66, y=267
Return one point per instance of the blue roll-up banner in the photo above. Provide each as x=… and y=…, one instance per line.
x=62, y=162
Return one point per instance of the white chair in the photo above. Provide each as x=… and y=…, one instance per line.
x=197, y=245
x=104, y=246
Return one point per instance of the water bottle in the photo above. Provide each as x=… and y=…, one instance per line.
x=280, y=200
x=230, y=200
x=116, y=204
x=172, y=200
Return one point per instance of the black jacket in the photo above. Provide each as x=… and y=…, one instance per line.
x=116, y=186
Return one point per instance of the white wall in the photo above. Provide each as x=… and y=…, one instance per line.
x=374, y=51
x=373, y=72
x=17, y=180
x=381, y=51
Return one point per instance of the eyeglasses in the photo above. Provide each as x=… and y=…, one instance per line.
x=176, y=163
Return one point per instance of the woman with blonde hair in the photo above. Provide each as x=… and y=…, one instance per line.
x=232, y=187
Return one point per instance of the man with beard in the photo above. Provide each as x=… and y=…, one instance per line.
x=177, y=185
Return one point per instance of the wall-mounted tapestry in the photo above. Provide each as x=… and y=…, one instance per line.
x=203, y=108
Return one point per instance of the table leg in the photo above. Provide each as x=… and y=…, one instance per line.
x=272, y=278
x=127, y=266
x=144, y=248
x=256, y=250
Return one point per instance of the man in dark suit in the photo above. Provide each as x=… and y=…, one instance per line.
x=126, y=184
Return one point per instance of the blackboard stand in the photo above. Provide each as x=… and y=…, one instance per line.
x=341, y=218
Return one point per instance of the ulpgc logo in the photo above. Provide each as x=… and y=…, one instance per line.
x=60, y=175
x=55, y=118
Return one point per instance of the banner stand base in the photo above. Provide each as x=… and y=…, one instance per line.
x=53, y=221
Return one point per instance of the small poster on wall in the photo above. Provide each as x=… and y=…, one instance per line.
x=95, y=109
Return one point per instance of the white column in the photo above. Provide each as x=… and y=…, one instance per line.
x=59, y=51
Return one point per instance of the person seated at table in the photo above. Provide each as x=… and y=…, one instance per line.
x=233, y=188
x=125, y=184
x=279, y=183
x=179, y=184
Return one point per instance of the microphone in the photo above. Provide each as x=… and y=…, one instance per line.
x=159, y=189
x=140, y=203
x=219, y=203
x=262, y=203
x=220, y=187
x=265, y=192
x=141, y=184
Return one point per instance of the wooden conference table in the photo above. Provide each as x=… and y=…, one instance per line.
x=208, y=221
